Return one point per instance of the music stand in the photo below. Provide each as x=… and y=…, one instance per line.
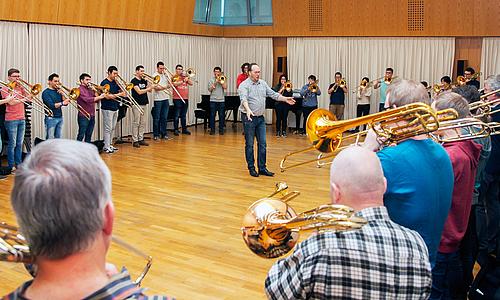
x=122, y=112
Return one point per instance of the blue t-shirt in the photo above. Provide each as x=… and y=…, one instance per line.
x=110, y=104
x=419, y=188
x=50, y=98
x=383, y=91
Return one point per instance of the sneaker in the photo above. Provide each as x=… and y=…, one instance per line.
x=221, y=132
x=3, y=177
x=136, y=144
x=284, y=134
x=186, y=132
x=176, y=132
x=157, y=138
x=109, y=151
x=113, y=148
x=13, y=170
x=166, y=137
x=278, y=135
x=143, y=143
x=212, y=132
x=303, y=134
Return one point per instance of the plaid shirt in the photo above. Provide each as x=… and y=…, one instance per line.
x=382, y=260
x=118, y=287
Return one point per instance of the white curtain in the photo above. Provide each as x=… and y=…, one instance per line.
x=490, y=58
x=420, y=59
x=237, y=51
x=68, y=52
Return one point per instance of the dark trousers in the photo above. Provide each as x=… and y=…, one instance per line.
x=180, y=112
x=217, y=107
x=85, y=128
x=282, y=109
x=460, y=274
x=306, y=111
x=488, y=213
x=440, y=276
x=255, y=129
x=160, y=116
x=362, y=110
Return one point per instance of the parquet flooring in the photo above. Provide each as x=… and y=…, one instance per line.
x=182, y=202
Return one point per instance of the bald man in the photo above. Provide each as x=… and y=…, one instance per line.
x=382, y=260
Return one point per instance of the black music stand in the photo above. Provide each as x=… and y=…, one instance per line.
x=122, y=112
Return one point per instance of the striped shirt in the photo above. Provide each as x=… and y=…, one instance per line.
x=119, y=286
x=382, y=260
x=255, y=94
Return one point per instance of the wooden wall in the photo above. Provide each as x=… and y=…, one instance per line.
x=144, y=15
x=468, y=49
x=461, y=18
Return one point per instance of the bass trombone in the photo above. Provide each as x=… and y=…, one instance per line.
x=325, y=132
x=271, y=228
x=14, y=248
x=72, y=95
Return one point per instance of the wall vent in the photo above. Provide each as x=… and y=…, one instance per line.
x=316, y=15
x=415, y=15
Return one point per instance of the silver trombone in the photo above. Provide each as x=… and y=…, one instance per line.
x=127, y=87
x=173, y=87
x=40, y=107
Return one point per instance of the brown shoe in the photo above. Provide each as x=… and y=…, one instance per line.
x=143, y=143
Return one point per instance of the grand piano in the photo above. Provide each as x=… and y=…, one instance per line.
x=232, y=102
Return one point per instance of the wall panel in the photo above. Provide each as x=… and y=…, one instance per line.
x=381, y=18
x=43, y=11
x=451, y=19
x=486, y=21
x=468, y=49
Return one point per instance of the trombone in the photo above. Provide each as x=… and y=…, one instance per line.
x=72, y=95
x=101, y=89
x=363, y=85
x=127, y=87
x=156, y=80
x=14, y=248
x=171, y=81
x=288, y=86
x=190, y=73
x=462, y=80
x=465, y=129
x=484, y=107
x=325, y=132
x=40, y=107
x=342, y=83
x=271, y=228
x=222, y=79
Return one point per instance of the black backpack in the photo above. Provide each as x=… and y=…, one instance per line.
x=486, y=285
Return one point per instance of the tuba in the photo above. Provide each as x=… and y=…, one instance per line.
x=271, y=228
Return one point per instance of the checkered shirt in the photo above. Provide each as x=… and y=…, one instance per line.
x=382, y=260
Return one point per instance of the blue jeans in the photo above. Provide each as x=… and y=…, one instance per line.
x=16, y=136
x=217, y=107
x=440, y=276
x=255, y=129
x=54, y=127
x=85, y=128
x=180, y=111
x=160, y=118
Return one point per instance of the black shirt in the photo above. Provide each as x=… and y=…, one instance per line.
x=142, y=84
x=338, y=96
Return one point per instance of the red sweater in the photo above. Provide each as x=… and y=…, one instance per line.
x=464, y=156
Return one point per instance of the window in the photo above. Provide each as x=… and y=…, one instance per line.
x=233, y=12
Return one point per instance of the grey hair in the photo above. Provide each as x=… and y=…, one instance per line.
x=455, y=101
x=494, y=83
x=59, y=195
x=404, y=91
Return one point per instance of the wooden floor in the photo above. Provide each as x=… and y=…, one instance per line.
x=182, y=202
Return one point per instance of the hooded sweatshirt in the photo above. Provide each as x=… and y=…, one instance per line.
x=464, y=156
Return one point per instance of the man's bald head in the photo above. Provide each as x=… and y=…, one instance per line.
x=359, y=177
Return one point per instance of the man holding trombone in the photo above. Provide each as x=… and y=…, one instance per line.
x=216, y=86
x=161, y=104
x=14, y=119
x=140, y=94
x=54, y=98
x=86, y=100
